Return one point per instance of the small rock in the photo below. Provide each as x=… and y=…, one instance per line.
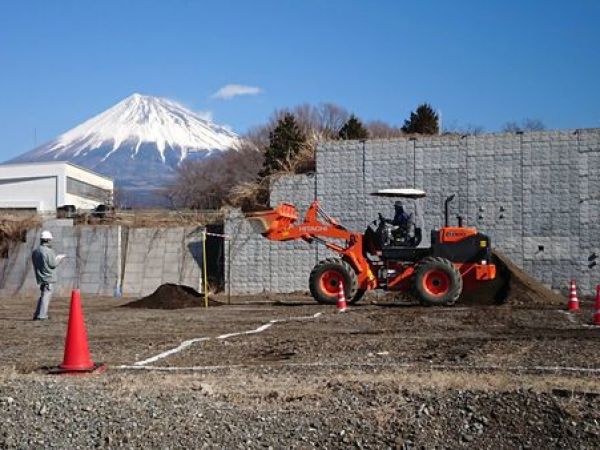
x=467, y=437
x=207, y=389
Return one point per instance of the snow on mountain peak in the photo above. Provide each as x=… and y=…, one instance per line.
x=140, y=119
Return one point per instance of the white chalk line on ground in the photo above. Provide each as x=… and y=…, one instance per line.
x=545, y=369
x=189, y=342
x=574, y=320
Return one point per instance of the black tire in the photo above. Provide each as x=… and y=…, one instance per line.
x=344, y=271
x=437, y=282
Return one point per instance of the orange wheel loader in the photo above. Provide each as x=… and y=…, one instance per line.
x=387, y=255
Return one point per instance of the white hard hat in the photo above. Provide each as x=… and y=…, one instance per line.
x=46, y=235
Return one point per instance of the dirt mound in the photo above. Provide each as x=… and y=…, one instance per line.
x=513, y=286
x=523, y=289
x=172, y=296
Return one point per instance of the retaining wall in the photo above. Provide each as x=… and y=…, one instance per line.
x=101, y=259
x=154, y=256
x=536, y=194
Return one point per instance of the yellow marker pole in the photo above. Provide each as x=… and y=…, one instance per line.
x=204, y=269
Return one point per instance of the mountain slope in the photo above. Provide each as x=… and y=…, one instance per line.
x=139, y=141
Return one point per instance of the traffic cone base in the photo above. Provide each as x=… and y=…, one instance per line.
x=77, y=354
x=341, y=299
x=573, y=304
x=96, y=368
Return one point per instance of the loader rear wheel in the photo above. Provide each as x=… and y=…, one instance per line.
x=324, y=281
x=437, y=282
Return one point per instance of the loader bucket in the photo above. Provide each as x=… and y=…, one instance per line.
x=278, y=219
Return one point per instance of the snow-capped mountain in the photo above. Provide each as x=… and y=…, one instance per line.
x=139, y=141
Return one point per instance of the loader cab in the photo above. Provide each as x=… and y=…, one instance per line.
x=404, y=229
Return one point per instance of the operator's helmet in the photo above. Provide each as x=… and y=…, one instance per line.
x=46, y=236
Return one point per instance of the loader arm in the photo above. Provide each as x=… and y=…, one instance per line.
x=279, y=224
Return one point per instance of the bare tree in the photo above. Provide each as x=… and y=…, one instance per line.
x=332, y=118
x=527, y=124
x=321, y=122
x=530, y=124
x=469, y=129
x=381, y=130
x=121, y=198
x=206, y=184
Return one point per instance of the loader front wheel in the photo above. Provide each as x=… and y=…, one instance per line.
x=325, y=278
x=437, y=282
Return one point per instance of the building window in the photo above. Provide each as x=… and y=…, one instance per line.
x=86, y=190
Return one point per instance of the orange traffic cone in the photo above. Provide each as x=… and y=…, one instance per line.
x=77, y=354
x=573, y=304
x=597, y=307
x=341, y=298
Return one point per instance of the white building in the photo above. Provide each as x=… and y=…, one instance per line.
x=46, y=186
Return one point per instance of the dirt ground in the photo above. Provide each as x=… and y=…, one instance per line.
x=299, y=355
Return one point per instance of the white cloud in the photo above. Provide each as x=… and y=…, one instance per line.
x=233, y=90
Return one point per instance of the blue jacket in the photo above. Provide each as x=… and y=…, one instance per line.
x=44, y=263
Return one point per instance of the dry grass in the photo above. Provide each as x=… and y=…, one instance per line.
x=417, y=381
x=245, y=387
x=251, y=196
x=13, y=228
x=155, y=218
x=254, y=195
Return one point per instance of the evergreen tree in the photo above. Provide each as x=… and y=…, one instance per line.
x=423, y=121
x=353, y=129
x=285, y=141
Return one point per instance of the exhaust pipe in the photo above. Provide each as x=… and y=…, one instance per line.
x=446, y=207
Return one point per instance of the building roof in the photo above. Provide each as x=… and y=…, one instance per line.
x=48, y=163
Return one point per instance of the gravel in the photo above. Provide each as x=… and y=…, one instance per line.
x=166, y=411
x=376, y=377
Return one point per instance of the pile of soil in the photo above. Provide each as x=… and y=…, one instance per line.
x=513, y=286
x=523, y=289
x=172, y=296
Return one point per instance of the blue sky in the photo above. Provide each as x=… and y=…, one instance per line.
x=482, y=63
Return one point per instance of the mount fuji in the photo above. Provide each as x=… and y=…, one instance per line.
x=139, y=142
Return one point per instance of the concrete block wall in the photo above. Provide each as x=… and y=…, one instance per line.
x=155, y=256
x=536, y=194
x=101, y=258
x=259, y=265
x=92, y=261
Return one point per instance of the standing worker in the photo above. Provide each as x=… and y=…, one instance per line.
x=45, y=263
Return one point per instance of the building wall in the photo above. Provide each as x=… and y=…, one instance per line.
x=44, y=186
x=30, y=193
x=536, y=194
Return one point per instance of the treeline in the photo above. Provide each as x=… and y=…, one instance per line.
x=286, y=144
